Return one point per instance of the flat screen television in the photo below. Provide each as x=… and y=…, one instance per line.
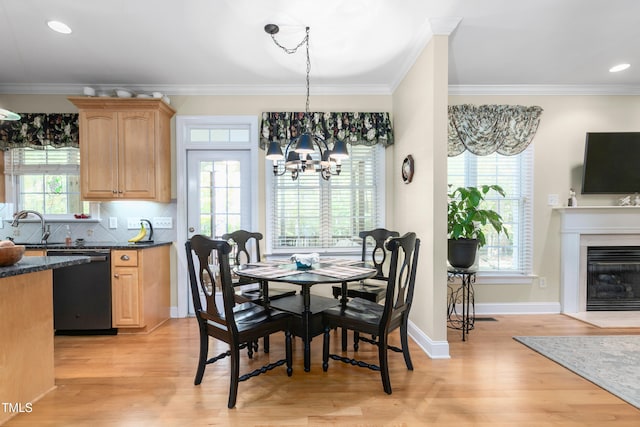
x=611, y=163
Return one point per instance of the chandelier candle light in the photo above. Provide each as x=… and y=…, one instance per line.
x=306, y=152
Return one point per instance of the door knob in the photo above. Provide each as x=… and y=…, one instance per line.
x=191, y=229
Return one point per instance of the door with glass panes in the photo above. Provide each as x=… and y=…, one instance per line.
x=218, y=192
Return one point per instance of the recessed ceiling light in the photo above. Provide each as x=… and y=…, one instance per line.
x=59, y=27
x=619, y=67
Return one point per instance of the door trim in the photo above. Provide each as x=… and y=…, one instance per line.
x=183, y=124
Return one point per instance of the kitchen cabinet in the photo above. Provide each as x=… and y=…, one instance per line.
x=139, y=288
x=125, y=148
x=34, y=252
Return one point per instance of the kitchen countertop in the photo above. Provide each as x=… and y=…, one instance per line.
x=31, y=264
x=95, y=245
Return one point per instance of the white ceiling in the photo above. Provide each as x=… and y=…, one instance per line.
x=356, y=46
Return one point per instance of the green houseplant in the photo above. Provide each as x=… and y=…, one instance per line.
x=465, y=221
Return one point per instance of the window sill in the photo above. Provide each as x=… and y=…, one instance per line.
x=492, y=278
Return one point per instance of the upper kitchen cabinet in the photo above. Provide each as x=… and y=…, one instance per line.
x=125, y=148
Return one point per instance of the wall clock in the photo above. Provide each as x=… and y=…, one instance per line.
x=407, y=169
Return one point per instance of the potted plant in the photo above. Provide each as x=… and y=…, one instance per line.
x=465, y=221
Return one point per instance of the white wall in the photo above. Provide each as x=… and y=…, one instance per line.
x=420, y=129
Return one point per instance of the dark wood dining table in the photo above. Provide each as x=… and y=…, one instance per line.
x=308, y=307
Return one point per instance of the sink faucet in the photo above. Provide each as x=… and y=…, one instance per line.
x=46, y=229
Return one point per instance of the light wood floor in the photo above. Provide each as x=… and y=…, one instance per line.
x=490, y=380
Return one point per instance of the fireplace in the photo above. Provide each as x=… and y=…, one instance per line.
x=611, y=228
x=613, y=278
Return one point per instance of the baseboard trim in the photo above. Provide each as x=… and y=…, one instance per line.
x=433, y=349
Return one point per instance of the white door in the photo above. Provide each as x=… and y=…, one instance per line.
x=218, y=192
x=217, y=179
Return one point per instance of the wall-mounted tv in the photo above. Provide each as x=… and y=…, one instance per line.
x=611, y=163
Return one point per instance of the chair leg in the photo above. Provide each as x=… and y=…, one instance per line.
x=356, y=340
x=405, y=345
x=265, y=344
x=288, y=352
x=235, y=373
x=202, y=359
x=384, y=364
x=325, y=349
x=344, y=339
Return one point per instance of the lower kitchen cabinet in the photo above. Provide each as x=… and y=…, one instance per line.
x=140, y=288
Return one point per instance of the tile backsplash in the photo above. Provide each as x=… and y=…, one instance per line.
x=94, y=229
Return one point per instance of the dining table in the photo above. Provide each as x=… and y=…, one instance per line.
x=305, y=305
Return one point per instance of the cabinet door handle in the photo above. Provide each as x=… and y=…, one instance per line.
x=114, y=191
x=124, y=257
x=116, y=275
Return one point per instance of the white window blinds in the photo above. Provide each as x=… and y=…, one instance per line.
x=311, y=214
x=515, y=175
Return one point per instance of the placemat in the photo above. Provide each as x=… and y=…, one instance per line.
x=342, y=271
x=339, y=261
x=270, y=272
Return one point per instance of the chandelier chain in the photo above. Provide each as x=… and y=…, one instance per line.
x=305, y=41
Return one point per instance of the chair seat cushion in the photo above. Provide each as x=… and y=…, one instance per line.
x=248, y=315
x=358, y=309
x=372, y=291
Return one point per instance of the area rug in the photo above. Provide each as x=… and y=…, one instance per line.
x=609, y=361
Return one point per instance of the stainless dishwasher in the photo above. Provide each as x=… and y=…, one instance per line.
x=82, y=294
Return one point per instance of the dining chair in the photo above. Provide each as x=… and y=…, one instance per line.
x=222, y=318
x=373, y=289
x=242, y=243
x=367, y=317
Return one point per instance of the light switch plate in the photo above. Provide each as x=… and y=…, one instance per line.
x=552, y=200
x=162, y=222
x=113, y=222
x=133, y=223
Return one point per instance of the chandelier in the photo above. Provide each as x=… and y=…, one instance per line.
x=306, y=153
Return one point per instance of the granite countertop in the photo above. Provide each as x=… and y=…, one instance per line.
x=31, y=264
x=95, y=245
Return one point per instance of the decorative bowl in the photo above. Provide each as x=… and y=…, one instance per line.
x=9, y=255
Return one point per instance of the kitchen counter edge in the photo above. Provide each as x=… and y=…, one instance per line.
x=32, y=264
x=96, y=245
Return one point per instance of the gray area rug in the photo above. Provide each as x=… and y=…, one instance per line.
x=609, y=361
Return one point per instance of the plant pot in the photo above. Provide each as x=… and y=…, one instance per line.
x=461, y=253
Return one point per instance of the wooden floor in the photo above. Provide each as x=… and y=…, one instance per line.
x=490, y=380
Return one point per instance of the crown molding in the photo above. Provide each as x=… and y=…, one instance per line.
x=337, y=90
x=544, y=90
x=194, y=90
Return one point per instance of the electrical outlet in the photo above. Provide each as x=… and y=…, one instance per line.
x=133, y=223
x=113, y=222
x=542, y=282
x=162, y=222
x=552, y=200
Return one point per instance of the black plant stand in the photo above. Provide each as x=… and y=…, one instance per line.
x=462, y=295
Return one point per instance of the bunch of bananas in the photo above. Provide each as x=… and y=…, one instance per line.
x=140, y=235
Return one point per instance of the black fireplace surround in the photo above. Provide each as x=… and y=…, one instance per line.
x=613, y=278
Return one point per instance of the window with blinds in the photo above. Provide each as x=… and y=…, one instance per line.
x=45, y=180
x=515, y=175
x=312, y=214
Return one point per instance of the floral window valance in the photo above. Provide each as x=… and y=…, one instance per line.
x=354, y=128
x=485, y=129
x=36, y=130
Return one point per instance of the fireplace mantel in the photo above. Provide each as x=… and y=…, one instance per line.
x=584, y=226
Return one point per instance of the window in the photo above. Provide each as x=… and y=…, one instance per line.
x=515, y=175
x=45, y=180
x=312, y=214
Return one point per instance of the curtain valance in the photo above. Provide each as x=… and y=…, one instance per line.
x=485, y=129
x=354, y=128
x=36, y=130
